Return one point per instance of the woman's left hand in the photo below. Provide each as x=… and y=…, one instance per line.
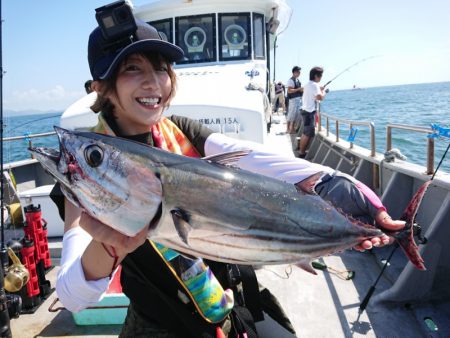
x=103, y=233
x=383, y=219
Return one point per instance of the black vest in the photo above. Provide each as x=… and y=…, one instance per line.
x=153, y=291
x=297, y=84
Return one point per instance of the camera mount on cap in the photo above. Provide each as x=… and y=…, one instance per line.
x=117, y=24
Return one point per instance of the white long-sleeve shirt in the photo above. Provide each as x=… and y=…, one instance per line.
x=76, y=293
x=265, y=160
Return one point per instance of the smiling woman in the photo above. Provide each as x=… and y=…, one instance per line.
x=134, y=85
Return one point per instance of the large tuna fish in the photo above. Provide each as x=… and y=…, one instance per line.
x=204, y=208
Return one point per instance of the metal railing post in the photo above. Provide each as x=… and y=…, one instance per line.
x=388, y=138
x=30, y=144
x=320, y=122
x=337, y=130
x=373, y=145
x=430, y=156
x=351, y=142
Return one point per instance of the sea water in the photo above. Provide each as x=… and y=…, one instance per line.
x=415, y=104
x=27, y=125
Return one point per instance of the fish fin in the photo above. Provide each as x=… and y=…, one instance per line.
x=308, y=184
x=181, y=222
x=305, y=264
x=228, y=158
x=405, y=237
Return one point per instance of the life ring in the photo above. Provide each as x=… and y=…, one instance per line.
x=196, y=43
x=235, y=36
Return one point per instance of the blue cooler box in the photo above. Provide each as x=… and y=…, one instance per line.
x=112, y=309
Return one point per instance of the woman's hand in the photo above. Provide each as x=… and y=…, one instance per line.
x=383, y=219
x=102, y=233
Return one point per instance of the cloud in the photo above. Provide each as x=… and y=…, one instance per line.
x=56, y=98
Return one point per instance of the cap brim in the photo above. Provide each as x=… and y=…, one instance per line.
x=170, y=51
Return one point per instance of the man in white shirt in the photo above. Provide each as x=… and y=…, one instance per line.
x=312, y=93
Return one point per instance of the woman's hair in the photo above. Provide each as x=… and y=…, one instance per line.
x=315, y=71
x=87, y=86
x=103, y=104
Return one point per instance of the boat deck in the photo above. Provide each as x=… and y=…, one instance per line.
x=322, y=305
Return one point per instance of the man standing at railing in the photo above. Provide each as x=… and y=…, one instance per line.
x=312, y=93
x=294, y=92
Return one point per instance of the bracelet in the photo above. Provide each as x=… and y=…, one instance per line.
x=112, y=255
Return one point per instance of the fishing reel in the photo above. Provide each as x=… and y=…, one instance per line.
x=14, y=304
x=17, y=275
x=417, y=232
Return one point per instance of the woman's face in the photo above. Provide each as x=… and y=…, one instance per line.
x=142, y=92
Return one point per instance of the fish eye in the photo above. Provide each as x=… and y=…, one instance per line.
x=93, y=155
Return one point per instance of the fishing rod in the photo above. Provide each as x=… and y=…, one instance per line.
x=5, y=329
x=350, y=67
x=440, y=162
x=3, y=253
x=36, y=120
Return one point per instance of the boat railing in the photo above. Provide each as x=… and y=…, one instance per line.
x=351, y=123
x=28, y=137
x=389, y=128
x=337, y=121
x=417, y=129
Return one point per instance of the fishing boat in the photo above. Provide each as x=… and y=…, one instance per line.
x=224, y=82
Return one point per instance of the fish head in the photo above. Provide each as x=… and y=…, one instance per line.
x=110, y=183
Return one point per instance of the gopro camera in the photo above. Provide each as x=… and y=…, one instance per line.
x=116, y=21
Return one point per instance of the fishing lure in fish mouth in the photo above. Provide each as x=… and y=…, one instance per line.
x=203, y=207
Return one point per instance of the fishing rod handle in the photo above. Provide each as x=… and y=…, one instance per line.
x=366, y=299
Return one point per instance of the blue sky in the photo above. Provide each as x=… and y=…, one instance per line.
x=45, y=45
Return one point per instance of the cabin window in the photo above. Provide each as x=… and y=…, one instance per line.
x=259, y=37
x=197, y=37
x=165, y=28
x=234, y=36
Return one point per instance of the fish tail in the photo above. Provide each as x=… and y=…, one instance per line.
x=409, y=246
x=405, y=238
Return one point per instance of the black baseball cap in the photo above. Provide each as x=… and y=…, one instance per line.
x=296, y=69
x=103, y=61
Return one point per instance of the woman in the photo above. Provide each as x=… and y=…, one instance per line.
x=134, y=84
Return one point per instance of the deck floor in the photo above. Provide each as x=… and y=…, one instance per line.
x=318, y=306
